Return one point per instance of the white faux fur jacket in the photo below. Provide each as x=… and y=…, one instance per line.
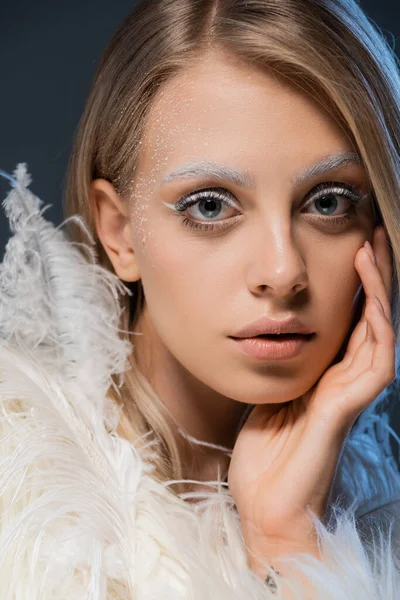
x=81, y=515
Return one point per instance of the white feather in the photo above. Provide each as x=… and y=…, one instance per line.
x=82, y=517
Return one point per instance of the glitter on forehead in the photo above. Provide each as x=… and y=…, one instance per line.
x=167, y=133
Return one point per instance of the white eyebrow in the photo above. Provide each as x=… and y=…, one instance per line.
x=220, y=172
x=328, y=163
x=214, y=171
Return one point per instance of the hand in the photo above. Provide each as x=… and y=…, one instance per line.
x=285, y=456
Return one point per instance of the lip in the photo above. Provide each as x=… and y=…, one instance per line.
x=267, y=325
x=263, y=349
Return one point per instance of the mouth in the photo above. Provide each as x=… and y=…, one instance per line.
x=273, y=346
x=278, y=336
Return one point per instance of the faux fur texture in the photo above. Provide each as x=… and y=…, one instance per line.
x=82, y=516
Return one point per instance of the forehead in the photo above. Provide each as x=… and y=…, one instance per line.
x=224, y=110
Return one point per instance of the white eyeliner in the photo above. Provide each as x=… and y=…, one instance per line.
x=172, y=206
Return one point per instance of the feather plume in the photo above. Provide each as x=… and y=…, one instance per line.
x=82, y=516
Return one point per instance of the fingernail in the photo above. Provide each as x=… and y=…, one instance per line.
x=368, y=247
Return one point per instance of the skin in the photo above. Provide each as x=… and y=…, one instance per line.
x=276, y=476
x=277, y=258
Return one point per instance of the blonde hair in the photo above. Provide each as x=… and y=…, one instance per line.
x=327, y=48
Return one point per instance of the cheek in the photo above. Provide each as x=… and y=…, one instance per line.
x=178, y=279
x=336, y=283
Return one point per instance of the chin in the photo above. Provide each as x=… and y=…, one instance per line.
x=282, y=394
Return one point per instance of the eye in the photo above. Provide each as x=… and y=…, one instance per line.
x=213, y=203
x=326, y=197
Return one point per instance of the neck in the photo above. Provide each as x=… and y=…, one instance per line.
x=201, y=412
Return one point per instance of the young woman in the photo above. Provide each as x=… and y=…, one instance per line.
x=198, y=408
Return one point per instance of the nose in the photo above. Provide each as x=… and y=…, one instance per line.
x=276, y=264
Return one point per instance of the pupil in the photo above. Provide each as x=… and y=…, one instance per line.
x=211, y=207
x=326, y=200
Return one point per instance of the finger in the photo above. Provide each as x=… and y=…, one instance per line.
x=371, y=278
x=378, y=340
x=355, y=342
x=376, y=280
x=384, y=349
x=362, y=356
x=373, y=366
x=357, y=334
x=366, y=270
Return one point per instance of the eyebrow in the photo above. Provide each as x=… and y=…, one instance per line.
x=246, y=180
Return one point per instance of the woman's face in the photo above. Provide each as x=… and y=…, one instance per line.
x=270, y=247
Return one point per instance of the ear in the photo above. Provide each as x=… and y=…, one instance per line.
x=112, y=222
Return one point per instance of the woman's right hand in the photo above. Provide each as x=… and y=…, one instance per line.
x=285, y=456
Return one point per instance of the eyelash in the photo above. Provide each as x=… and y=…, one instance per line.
x=320, y=191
